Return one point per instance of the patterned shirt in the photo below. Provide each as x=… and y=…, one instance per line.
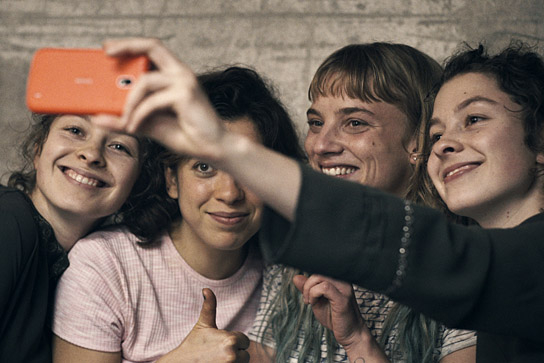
x=373, y=306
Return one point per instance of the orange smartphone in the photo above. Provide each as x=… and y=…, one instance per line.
x=81, y=81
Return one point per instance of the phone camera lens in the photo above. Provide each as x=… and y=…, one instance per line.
x=124, y=82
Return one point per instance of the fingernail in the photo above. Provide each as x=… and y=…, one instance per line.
x=204, y=296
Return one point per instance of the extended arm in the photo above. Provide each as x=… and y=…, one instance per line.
x=168, y=105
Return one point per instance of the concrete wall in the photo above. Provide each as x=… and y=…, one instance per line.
x=285, y=40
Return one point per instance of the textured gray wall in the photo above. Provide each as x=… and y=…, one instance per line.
x=285, y=40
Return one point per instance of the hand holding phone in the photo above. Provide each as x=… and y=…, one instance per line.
x=81, y=81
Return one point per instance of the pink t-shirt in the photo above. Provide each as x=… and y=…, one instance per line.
x=143, y=301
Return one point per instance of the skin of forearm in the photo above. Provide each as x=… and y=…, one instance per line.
x=365, y=350
x=275, y=178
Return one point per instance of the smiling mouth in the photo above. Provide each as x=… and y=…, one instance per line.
x=82, y=179
x=228, y=218
x=338, y=171
x=459, y=171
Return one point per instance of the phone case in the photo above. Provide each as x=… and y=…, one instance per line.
x=81, y=81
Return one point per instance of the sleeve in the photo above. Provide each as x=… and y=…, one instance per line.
x=90, y=299
x=466, y=277
x=271, y=280
x=455, y=339
x=17, y=248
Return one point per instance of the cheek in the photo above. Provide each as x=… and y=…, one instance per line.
x=192, y=195
x=129, y=177
x=432, y=169
x=309, y=143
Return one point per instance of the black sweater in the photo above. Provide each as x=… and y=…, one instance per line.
x=489, y=280
x=31, y=260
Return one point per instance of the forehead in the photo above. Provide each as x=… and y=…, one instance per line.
x=467, y=87
x=342, y=105
x=245, y=126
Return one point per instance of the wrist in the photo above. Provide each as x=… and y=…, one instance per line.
x=230, y=150
x=363, y=348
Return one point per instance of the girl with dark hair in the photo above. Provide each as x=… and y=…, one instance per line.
x=482, y=163
x=123, y=301
x=77, y=177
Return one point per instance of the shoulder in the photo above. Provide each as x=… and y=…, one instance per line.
x=15, y=204
x=17, y=222
x=107, y=244
x=456, y=339
x=113, y=248
x=112, y=239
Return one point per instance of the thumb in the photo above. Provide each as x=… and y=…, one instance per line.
x=299, y=281
x=207, y=313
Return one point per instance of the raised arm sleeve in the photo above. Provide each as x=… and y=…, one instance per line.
x=466, y=277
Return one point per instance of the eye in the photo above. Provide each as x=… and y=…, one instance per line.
x=121, y=147
x=354, y=126
x=314, y=124
x=74, y=130
x=204, y=168
x=434, y=138
x=474, y=119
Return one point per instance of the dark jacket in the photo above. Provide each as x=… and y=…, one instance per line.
x=31, y=260
x=489, y=280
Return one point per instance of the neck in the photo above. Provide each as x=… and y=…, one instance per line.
x=68, y=228
x=209, y=262
x=509, y=214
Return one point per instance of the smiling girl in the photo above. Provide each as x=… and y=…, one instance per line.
x=77, y=175
x=121, y=301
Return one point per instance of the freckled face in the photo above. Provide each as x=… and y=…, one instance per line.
x=479, y=161
x=217, y=212
x=360, y=141
x=84, y=172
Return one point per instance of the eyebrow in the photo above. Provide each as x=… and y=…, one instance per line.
x=474, y=99
x=433, y=121
x=343, y=111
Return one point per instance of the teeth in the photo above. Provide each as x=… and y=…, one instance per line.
x=81, y=179
x=456, y=171
x=337, y=171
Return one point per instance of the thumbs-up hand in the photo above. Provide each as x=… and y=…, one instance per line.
x=205, y=343
x=208, y=311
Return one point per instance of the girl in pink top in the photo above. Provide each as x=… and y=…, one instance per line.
x=124, y=301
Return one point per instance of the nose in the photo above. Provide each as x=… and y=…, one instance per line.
x=326, y=141
x=227, y=189
x=92, y=153
x=449, y=143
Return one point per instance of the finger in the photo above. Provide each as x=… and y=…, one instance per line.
x=326, y=290
x=309, y=284
x=208, y=311
x=153, y=48
x=147, y=83
x=154, y=103
x=299, y=281
x=242, y=356
x=242, y=340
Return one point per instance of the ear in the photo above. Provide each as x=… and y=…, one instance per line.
x=412, y=147
x=171, y=182
x=540, y=158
